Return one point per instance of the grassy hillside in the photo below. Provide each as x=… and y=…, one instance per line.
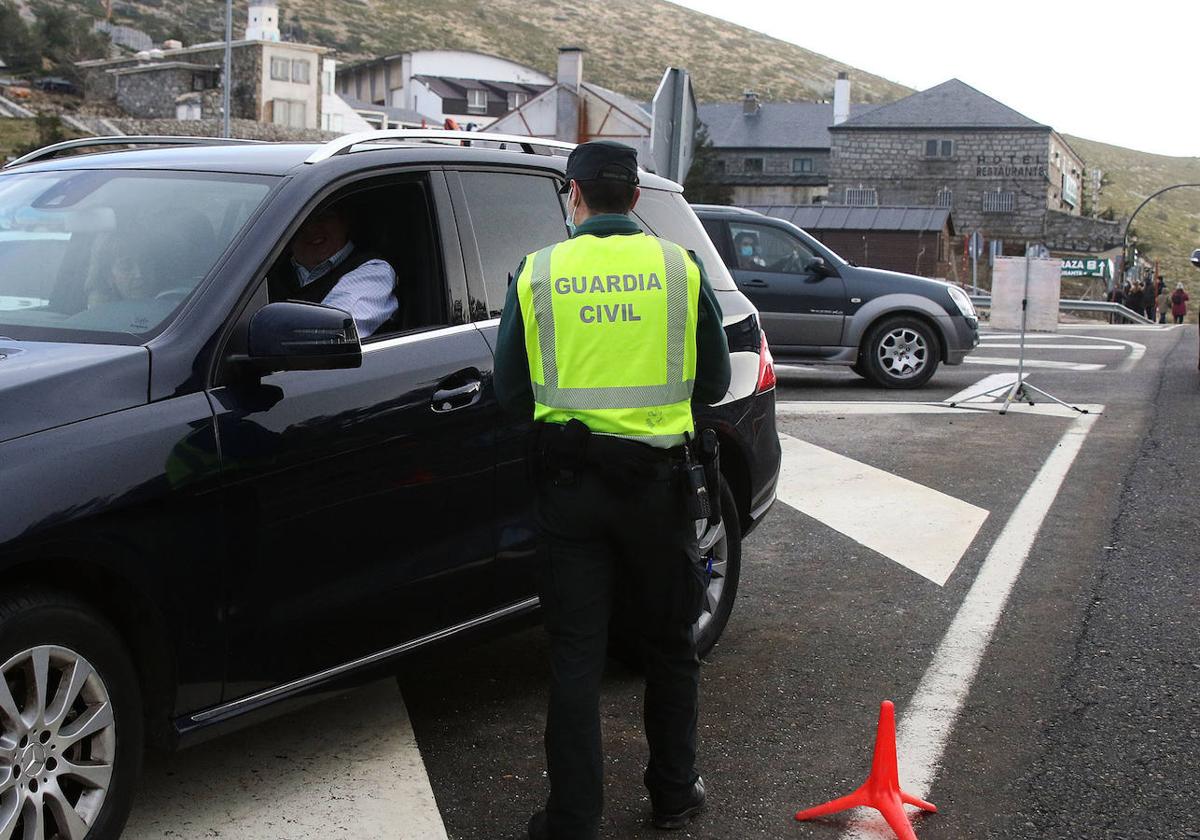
x=629, y=42
x=1169, y=225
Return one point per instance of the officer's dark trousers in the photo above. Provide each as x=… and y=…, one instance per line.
x=598, y=535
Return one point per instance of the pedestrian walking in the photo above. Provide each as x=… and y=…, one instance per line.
x=1179, y=302
x=1117, y=296
x=605, y=341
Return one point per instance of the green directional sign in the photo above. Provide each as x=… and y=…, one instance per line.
x=1082, y=267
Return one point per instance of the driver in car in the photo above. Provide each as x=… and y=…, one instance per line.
x=127, y=277
x=327, y=268
x=746, y=244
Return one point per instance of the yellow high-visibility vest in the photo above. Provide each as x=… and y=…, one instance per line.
x=610, y=332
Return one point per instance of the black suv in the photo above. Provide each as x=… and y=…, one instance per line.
x=214, y=501
x=818, y=308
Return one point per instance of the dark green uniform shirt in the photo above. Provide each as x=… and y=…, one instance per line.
x=513, y=387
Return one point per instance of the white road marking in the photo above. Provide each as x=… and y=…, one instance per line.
x=349, y=761
x=920, y=528
x=984, y=389
x=1045, y=364
x=849, y=409
x=1087, y=348
x=929, y=718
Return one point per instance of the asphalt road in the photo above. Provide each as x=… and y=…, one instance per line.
x=1076, y=718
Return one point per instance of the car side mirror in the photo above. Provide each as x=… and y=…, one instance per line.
x=819, y=267
x=1196, y=258
x=290, y=335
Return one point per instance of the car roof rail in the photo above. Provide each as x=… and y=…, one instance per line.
x=47, y=152
x=726, y=208
x=343, y=145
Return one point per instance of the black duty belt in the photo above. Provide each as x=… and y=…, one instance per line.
x=573, y=446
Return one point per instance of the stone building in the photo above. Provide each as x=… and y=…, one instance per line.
x=1001, y=173
x=777, y=152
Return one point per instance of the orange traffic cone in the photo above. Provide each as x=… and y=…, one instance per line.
x=881, y=790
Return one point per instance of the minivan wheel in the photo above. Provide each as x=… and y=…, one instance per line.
x=900, y=352
x=71, y=729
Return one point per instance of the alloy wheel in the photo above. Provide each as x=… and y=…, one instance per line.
x=57, y=745
x=714, y=552
x=903, y=353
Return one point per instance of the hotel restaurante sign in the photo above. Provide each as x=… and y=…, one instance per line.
x=1010, y=166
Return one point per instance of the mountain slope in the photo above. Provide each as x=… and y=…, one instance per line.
x=629, y=42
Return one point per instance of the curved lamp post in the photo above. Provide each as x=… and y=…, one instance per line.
x=1149, y=198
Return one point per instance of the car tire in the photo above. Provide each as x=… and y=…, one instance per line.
x=900, y=352
x=723, y=563
x=857, y=367
x=78, y=740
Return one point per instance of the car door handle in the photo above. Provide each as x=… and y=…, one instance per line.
x=452, y=399
x=756, y=283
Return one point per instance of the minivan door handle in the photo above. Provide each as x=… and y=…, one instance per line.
x=756, y=283
x=452, y=399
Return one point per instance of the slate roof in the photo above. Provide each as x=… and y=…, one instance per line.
x=840, y=217
x=777, y=125
x=450, y=87
x=406, y=115
x=952, y=104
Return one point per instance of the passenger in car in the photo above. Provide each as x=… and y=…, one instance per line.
x=326, y=267
x=746, y=245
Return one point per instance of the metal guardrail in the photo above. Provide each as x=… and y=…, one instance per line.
x=1081, y=306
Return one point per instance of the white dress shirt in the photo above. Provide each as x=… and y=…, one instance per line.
x=368, y=292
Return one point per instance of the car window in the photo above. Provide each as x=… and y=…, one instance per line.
x=667, y=215
x=766, y=248
x=108, y=256
x=388, y=273
x=512, y=215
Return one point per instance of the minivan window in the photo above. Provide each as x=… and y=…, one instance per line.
x=512, y=215
x=666, y=214
x=108, y=256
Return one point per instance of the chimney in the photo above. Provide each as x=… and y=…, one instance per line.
x=750, y=103
x=841, y=98
x=570, y=67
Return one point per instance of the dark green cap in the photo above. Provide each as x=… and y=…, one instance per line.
x=602, y=160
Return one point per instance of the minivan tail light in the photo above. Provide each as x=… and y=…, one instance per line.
x=766, y=367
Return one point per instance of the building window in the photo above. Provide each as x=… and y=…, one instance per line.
x=476, y=101
x=516, y=100
x=300, y=71
x=802, y=164
x=332, y=122
x=939, y=148
x=998, y=202
x=281, y=69
x=751, y=165
x=861, y=197
x=945, y=198
x=289, y=112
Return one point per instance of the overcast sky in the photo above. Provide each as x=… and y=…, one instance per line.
x=1126, y=74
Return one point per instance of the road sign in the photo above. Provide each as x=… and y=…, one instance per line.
x=673, y=127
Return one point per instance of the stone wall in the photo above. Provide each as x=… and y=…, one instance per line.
x=1080, y=233
x=776, y=162
x=752, y=195
x=242, y=129
x=153, y=94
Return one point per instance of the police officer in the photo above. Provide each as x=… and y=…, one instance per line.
x=606, y=340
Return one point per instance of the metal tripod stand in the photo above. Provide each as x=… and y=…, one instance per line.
x=1021, y=391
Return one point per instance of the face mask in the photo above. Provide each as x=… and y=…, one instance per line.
x=571, y=226
x=747, y=250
